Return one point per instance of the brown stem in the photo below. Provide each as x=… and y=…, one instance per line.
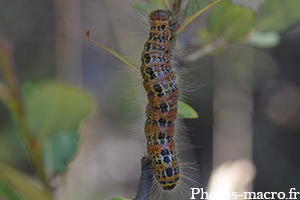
x=174, y=22
x=145, y=180
x=177, y=4
x=11, y=97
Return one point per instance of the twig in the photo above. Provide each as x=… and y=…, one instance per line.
x=11, y=97
x=174, y=22
x=210, y=48
x=177, y=4
x=145, y=180
x=128, y=62
x=188, y=20
x=167, y=4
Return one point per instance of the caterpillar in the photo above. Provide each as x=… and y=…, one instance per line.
x=163, y=94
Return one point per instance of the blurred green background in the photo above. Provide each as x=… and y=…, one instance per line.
x=49, y=43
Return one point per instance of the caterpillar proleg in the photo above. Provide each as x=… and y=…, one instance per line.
x=163, y=94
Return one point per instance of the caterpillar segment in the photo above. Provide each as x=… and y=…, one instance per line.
x=161, y=111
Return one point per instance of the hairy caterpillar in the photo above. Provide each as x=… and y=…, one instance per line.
x=159, y=82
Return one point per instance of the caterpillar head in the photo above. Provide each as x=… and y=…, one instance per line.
x=160, y=15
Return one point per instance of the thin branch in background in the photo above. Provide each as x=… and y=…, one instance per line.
x=174, y=22
x=68, y=40
x=11, y=97
x=177, y=4
x=7, y=70
x=145, y=180
x=207, y=49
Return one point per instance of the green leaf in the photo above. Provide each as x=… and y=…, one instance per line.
x=54, y=111
x=194, y=6
x=186, y=111
x=20, y=183
x=264, y=40
x=59, y=149
x=8, y=193
x=230, y=21
x=278, y=15
x=27, y=88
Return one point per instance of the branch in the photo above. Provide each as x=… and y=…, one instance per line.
x=208, y=49
x=11, y=97
x=177, y=4
x=174, y=22
x=145, y=180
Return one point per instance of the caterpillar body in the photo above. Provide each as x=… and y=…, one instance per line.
x=159, y=82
